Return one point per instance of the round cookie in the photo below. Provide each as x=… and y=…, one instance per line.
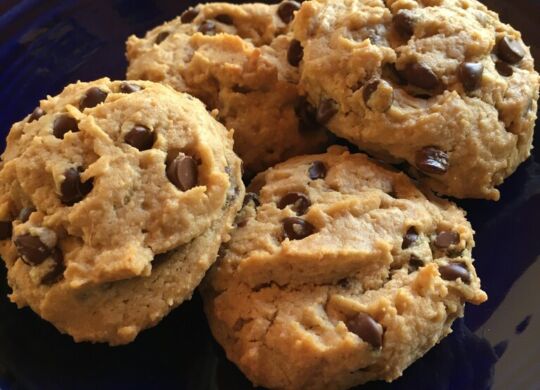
x=442, y=85
x=114, y=200
x=234, y=58
x=340, y=272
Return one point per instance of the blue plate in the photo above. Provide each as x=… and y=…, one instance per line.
x=45, y=45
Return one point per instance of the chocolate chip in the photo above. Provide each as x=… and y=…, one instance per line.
x=326, y=111
x=36, y=114
x=297, y=229
x=446, y=238
x=415, y=263
x=409, y=238
x=384, y=99
x=365, y=327
x=295, y=54
x=369, y=89
x=404, y=23
x=31, y=249
x=286, y=10
x=208, y=28
x=126, y=87
x=421, y=76
x=510, y=50
x=225, y=19
x=161, y=37
x=241, y=89
x=299, y=202
x=25, y=213
x=63, y=124
x=5, y=230
x=140, y=137
x=57, y=273
x=432, y=160
x=470, y=75
x=307, y=115
x=503, y=68
x=72, y=188
x=454, y=271
x=183, y=172
x=317, y=170
x=189, y=15
x=92, y=98
x=389, y=72
x=252, y=197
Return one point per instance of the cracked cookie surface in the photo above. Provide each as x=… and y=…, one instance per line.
x=114, y=198
x=440, y=84
x=234, y=58
x=340, y=272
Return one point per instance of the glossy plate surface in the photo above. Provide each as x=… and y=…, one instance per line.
x=45, y=45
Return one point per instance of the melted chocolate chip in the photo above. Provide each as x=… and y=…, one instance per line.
x=25, y=213
x=421, y=76
x=432, y=160
x=390, y=73
x=404, y=24
x=454, y=271
x=57, y=273
x=365, y=327
x=446, y=238
x=183, y=172
x=252, y=197
x=140, y=137
x=317, y=170
x=92, y=98
x=369, y=89
x=5, y=230
x=126, y=87
x=470, y=75
x=73, y=189
x=286, y=10
x=189, y=15
x=295, y=54
x=225, y=19
x=409, y=238
x=415, y=263
x=503, y=68
x=326, y=111
x=31, y=249
x=297, y=228
x=208, y=28
x=299, y=202
x=510, y=50
x=64, y=123
x=161, y=37
x=36, y=114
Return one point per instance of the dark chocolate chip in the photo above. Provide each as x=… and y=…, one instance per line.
x=470, y=75
x=92, y=98
x=390, y=73
x=307, y=115
x=432, y=160
x=57, y=273
x=446, y=238
x=454, y=271
x=25, y=213
x=295, y=54
x=299, y=202
x=503, y=68
x=225, y=19
x=421, y=76
x=297, y=229
x=31, y=249
x=183, y=172
x=326, y=111
x=36, y=114
x=126, y=87
x=6, y=229
x=409, y=238
x=317, y=170
x=369, y=89
x=365, y=327
x=161, y=37
x=286, y=10
x=404, y=23
x=73, y=189
x=510, y=50
x=63, y=124
x=208, y=28
x=415, y=263
x=189, y=15
x=252, y=197
x=140, y=137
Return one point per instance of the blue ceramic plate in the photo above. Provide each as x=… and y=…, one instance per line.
x=45, y=45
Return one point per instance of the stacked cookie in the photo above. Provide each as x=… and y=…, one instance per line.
x=336, y=269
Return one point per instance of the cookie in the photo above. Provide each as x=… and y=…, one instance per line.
x=235, y=59
x=443, y=86
x=340, y=272
x=114, y=199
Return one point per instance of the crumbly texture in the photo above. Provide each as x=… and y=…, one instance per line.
x=241, y=69
x=284, y=309
x=132, y=245
x=483, y=121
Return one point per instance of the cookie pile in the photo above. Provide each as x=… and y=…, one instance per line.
x=335, y=269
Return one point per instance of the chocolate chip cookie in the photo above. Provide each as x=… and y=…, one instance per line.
x=114, y=199
x=441, y=85
x=340, y=272
x=235, y=59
